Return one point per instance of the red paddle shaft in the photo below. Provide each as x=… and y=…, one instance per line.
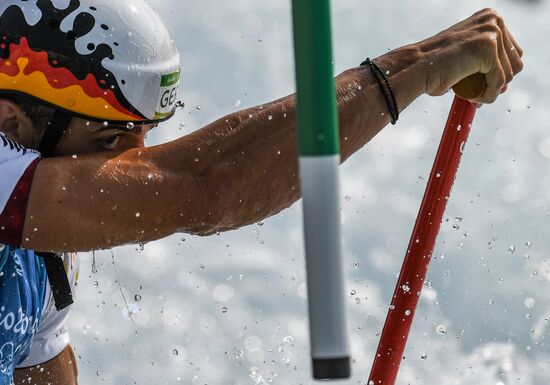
x=409, y=285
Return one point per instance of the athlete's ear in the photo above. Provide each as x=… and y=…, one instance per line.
x=15, y=123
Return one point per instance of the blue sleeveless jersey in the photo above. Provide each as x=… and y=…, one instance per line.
x=22, y=295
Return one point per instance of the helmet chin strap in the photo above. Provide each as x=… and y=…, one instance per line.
x=55, y=130
x=59, y=283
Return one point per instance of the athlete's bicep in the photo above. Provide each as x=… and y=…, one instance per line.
x=102, y=200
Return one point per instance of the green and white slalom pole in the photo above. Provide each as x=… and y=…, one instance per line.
x=319, y=179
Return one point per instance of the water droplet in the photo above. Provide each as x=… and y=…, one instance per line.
x=198, y=108
x=224, y=309
x=94, y=265
x=512, y=249
x=392, y=307
x=270, y=117
x=441, y=329
x=74, y=156
x=238, y=103
x=138, y=215
x=356, y=265
x=529, y=302
x=406, y=288
x=459, y=127
x=528, y=244
x=175, y=352
x=130, y=126
x=407, y=312
x=353, y=292
x=137, y=297
x=347, y=198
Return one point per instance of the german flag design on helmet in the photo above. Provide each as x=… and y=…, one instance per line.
x=104, y=60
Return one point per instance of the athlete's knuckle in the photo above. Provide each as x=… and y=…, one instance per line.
x=492, y=13
x=489, y=43
x=488, y=32
x=490, y=16
x=485, y=11
x=499, y=20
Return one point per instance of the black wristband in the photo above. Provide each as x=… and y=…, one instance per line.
x=385, y=88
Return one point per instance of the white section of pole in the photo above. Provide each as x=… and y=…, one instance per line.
x=325, y=273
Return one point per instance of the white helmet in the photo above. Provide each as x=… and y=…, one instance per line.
x=104, y=60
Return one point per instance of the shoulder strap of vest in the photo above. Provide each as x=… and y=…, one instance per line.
x=59, y=283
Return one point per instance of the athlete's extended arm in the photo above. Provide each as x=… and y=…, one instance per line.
x=243, y=167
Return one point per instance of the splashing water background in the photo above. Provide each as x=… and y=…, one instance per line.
x=231, y=308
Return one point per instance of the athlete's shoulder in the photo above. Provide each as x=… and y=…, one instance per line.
x=17, y=165
x=14, y=161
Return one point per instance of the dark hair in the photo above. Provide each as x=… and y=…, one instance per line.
x=38, y=113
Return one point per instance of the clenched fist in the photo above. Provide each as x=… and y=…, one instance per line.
x=479, y=44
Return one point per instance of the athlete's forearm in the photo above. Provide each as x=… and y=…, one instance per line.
x=248, y=159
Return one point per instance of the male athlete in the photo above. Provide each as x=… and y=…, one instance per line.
x=81, y=84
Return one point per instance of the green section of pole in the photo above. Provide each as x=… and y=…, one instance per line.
x=317, y=115
x=320, y=188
